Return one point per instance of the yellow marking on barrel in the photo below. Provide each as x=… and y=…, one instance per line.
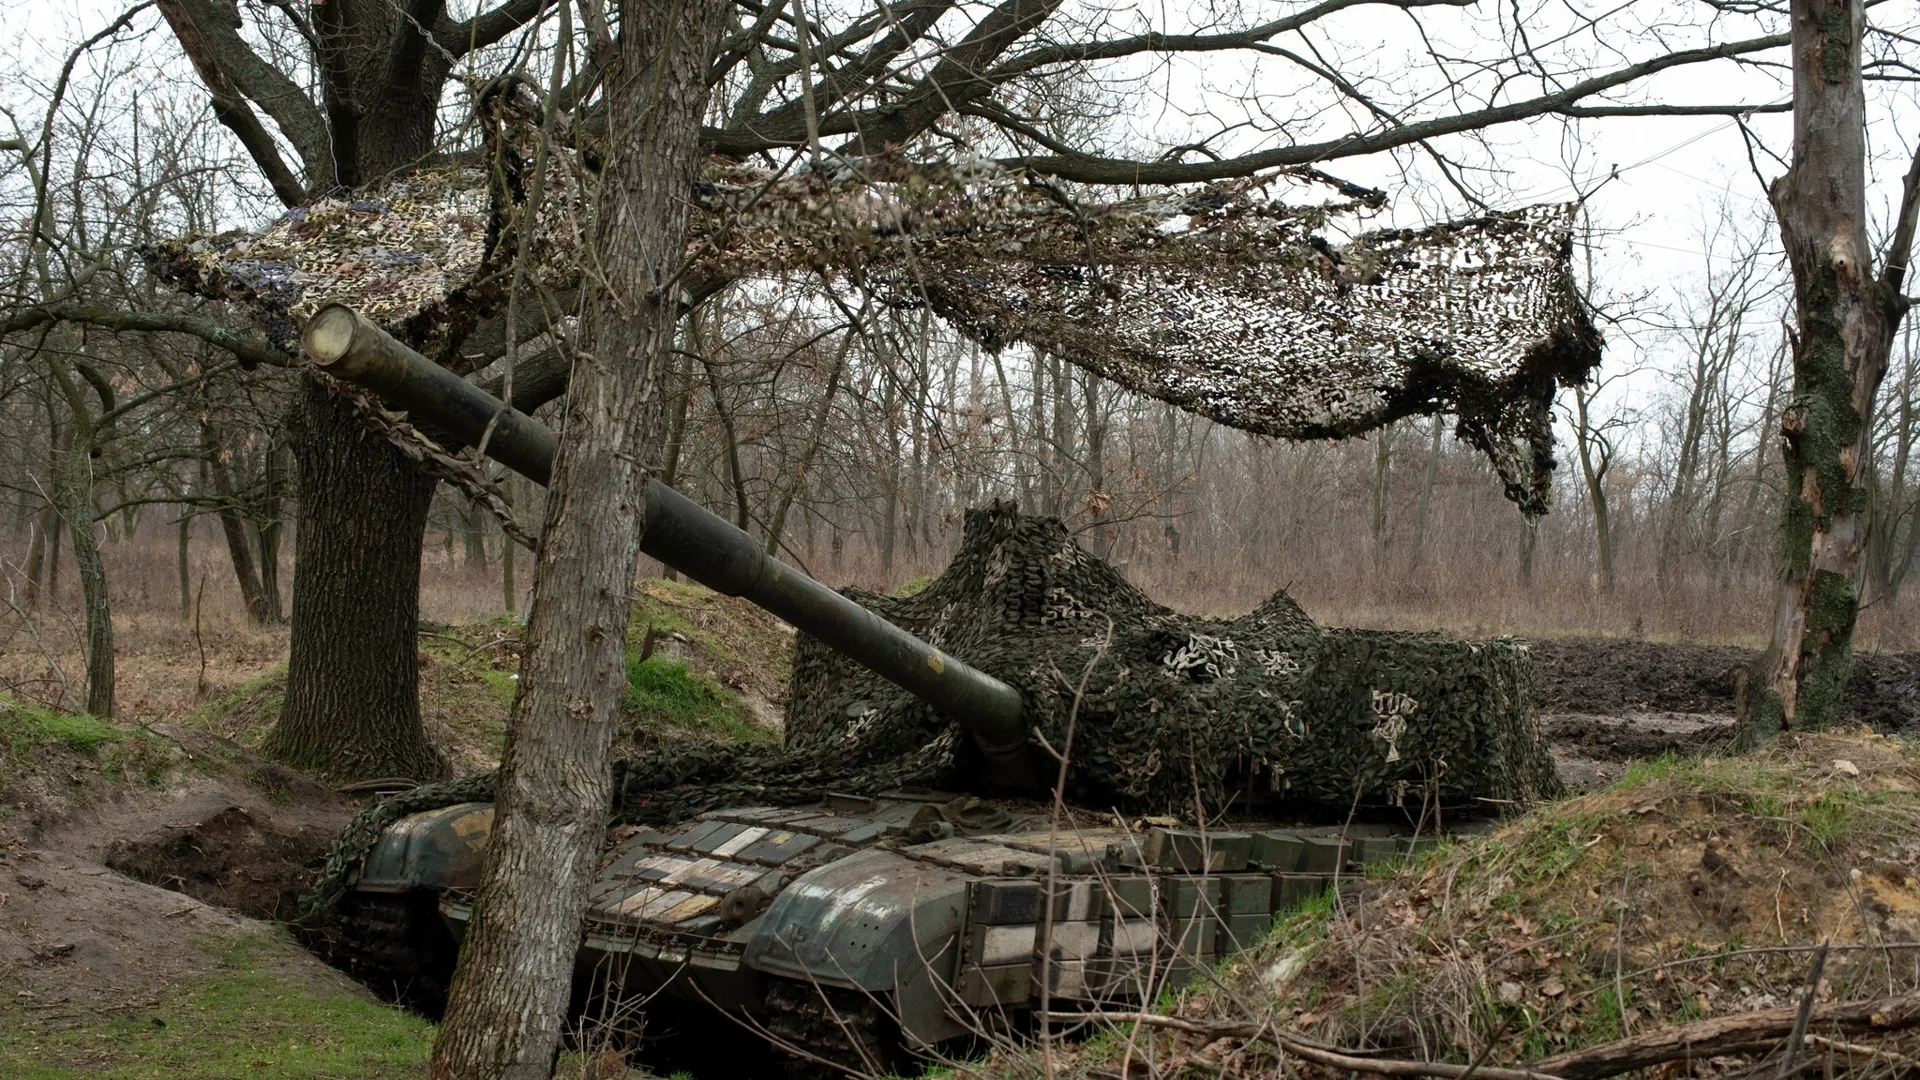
x=937, y=662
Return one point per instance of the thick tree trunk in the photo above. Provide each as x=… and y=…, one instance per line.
x=352, y=707
x=508, y=993
x=1846, y=318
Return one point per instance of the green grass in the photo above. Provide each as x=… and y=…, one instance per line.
x=664, y=693
x=240, y=1019
x=911, y=587
x=31, y=735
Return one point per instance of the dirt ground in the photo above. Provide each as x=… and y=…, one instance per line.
x=111, y=890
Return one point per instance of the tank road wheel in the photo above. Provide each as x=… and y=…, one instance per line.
x=845, y=1027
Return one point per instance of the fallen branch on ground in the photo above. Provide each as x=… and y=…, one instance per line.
x=1721, y=1034
x=1319, y=1055
x=1743, y=1032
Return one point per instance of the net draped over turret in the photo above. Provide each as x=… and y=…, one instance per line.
x=1175, y=707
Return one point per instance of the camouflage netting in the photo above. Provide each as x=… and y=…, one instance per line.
x=1223, y=299
x=1179, y=712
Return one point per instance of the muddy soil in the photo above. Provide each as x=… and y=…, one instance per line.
x=1616, y=676
x=231, y=829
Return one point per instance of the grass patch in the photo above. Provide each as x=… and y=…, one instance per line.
x=35, y=738
x=246, y=712
x=911, y=587
x=663, y=693
x=241, y=1019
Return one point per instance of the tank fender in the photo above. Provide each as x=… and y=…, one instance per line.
x=874, y=921
x=438, y=849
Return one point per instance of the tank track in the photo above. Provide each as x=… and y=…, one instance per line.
x=846, y=1027
x=395, y=946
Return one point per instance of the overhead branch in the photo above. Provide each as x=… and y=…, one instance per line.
x=1095, y=169
x=1119, y=48
x=210, y=35
x=249, y=351
x=1675, y=110
x=488, y=27
x=1900, y=247
x=410, y=38
x=954, y=81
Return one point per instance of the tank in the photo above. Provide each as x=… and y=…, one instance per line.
x=900, y=874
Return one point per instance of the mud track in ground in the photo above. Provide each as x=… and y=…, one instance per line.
x=1605, y=702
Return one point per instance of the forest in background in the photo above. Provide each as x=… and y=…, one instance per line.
x=853, y=441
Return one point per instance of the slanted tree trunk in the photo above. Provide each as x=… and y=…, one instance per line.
x=505, y=1005
x=353, y=706
x=1846, y=317
x=73, y=496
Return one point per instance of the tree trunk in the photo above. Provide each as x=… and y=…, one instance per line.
x=508, y=994
x=235, y=530
x=182, y=566
x=1426, y=494
x=75, y=493
x=1846, y=318
x=473, y=538
x=1382, y=470
x=37, y=550
x=509, y=588
x=266, y=533
x=353, y=706
x=816, y=438
x=1596, y=457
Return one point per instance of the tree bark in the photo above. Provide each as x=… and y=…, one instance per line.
x=1846, y=318
x=75, y=494
x=353, y=707
x=508, y=993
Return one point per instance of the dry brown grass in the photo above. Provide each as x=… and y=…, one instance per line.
x=160, y=654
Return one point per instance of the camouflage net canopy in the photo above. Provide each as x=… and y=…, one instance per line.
x=1179, y=713
x=1224, y=300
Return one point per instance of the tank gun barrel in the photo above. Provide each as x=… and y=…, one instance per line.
x=677, y=531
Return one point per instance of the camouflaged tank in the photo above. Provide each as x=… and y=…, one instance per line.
x=886, y=878
x=903, y=920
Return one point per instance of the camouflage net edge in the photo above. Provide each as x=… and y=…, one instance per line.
x=1180, y=712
